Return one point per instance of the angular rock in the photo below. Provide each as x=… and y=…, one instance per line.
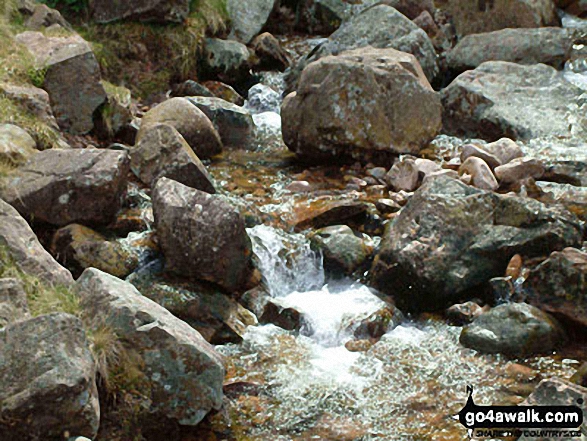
x=463, y=313
x=33, y=99
x=270, y=53
x=436, y=33
x=519, y=169
x=263, y=98
x=514, y=329
x=13, y=302
x=343, y=250
x=19, y=244
x=72, y=78
x=501, y=99
x=189, y=121
x=202, y=236
x=480, y=173
x=349, y=106
x=163, y=153
x=116, y=113
x=559, y=285
x=323, y=17
x=229, y=61
x=326, y=213
x=426, y=167
x=224, y=91
x=473, y=17
x=404, y=175
x=44, y=17
x=525, y=46
x=16, y=145
x=472, y=150
x=504, y=149
x=234, y=123
x=184, y=372
x=190, y=88
x=451, y=238
x=65, y=186
x=158, y=11
x=248, y=18
x=77, y=247
x=379, y=323
x=47, y=380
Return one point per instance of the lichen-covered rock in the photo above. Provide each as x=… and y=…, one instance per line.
x=189, y=121
x=115, y=113
x=16, y=145
x=463, y=313
x=33, y=99
x=72, y=78
x=183, y=372
x=501, y=99
x=19, y=244
x=525, y=46
x=163, y=153
x=234, y=123
x=226, y=60
x=47, y=380
x=452, y=238
x=513, y=329
x=158, y=11
x=65, y=186
x=363, y=104
x=202, y=236
x=77, y=247
x=13, y=302
x=559, y=285
x=270, y=53
x=248, y=18
x=474, y=17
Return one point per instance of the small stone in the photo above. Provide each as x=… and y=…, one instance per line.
x=481, y=174
x=404, y=175
x=520, y=169
x=386, y=206
x=426, y=166
x=471, y=150
x=463, y=313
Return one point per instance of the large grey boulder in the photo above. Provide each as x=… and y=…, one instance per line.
x=525, y=46
x=501, y=99
x=72, y=78
x=381, y=26
x=248, y=18
x=452, y=238
x=202, y=236
x=20, y=245
x=362, y=104
x=159, y=11
x=47, y=380
x=183, y=371
x=64, y=186
x=163, y=152
x=513, y=329
x=189, y=121
x=474, y=17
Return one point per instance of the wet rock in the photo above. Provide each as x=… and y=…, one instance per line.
x=202, y=236
x=471, y=150
x=299, y=187
x=501, y=99
x=224, y=91
x=248, y=18
x=379, y=323
x=190, y=88
x=47, y=379
x=348, y=106
x=525, y=46
x=16, y=145
x=72, y=78
x=234, y=123
x=229, y=61
x=480, y=173
x=281, y=315
x=463, y=313
x=503, y=288
x=19, y=244
x=65, y=186
x=515, y=329
x=263, y=99
x=404, y=175
x=33, y=99
x=325, y=213
x=559, y=285
x=163, y=153
x=471, y=17
x=358, y=345
x=13, y=302
x=520, y=169
x=183, y=372
x=343, y=250
x=77, y=247
x=451, y=238
x=381, y=26
x=504, y=149
x=270, y=53
x=557, y=392
x=106, y=11
x=189, y=121
x=218, y=317
x=44, y=17
x=116, y=113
